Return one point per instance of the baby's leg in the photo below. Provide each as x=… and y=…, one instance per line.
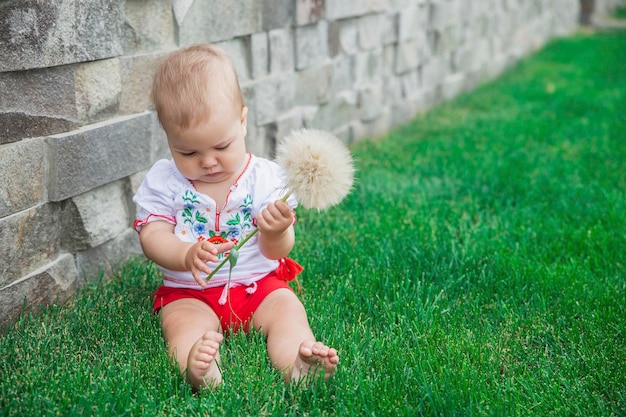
x=291, y=346
x=190, y=330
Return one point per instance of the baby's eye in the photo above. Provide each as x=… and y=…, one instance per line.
x=222, y=148
x=187, y=153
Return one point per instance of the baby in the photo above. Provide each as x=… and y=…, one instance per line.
x=193, y=210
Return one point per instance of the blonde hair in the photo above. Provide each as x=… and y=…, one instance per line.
x=190, y=82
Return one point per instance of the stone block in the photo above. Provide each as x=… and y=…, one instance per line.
x=371, y=102
x=281, y=51
x=287, y=123
x=256, y=141
x=37, y=34
x=389, y=28
x=346, y=34
x=314, y=84
x=136, y=73
x=343, y=74
x=368, y=67
x=341, y=9
x=148, y=26
x=95, y=217
x=93, y=156
x=411, y=21
x=216, y=20
x=444, y=14
x=374, y=128
x=276, y=13
x=308, y=11
x=249, y=97
x=433, y=72
x=311, y=45
x=23, y=171
x=159, y=147
x=273, y=96
x=37, y=103
x=392, y=91
x=411, y=84
x=238, y=50
x=98, y=87
x=106, y=258
x=407, y=57
x=453, y=85
x=54, y=283
x=473, y=57
x=259, y=52
x=28, y=241
x=340, y=110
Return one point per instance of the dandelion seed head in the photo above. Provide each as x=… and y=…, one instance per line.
x=318, y=167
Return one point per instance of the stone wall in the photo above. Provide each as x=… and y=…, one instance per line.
x=77, y=132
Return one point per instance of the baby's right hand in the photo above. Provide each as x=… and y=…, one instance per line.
x=202, y=252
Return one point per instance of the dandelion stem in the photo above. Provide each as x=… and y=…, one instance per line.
x=243, y=242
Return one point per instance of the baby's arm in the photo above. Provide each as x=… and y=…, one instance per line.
x=160, y=244
x=276, y=234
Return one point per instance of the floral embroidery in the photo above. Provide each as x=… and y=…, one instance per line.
x=192, y=216
x=239, y=223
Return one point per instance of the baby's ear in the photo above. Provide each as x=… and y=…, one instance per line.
x=244, y=116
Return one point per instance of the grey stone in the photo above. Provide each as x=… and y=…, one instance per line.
x=311, y=45
x=55, y=283
x=276, y=13
x=411, y=84
x=347, y=33
x=15, y=126
x=215, y=20
x=273, y=96
x=370, y=31
x=88, y=158
x=36, y=103
x=373, y=128
x=104, y=259
x=337, y=112
x=314, y=84
x=98, y=87
x=261, y=140
x=95, y=217
x=308, y=11
x=23, y=171
x=238, y=50
x=148, y=26
x=343, y=74
x=36, y=34
x=281, y=51
x=389, y=29
x=28, y=241
x=259, y=52
x=341, y=9
x=159, y=146
x=452, y=85
x=287, y=123
x=367, y=67
x=433, y=72
x=136, y=78
x=371, y=102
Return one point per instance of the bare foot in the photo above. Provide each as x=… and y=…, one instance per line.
x=314, y=358
x=202, y=370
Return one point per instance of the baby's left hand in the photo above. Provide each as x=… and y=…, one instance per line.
x=275, y=218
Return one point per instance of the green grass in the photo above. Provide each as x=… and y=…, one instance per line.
x=476, y=269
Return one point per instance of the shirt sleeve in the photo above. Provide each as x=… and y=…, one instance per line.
x=156, y=194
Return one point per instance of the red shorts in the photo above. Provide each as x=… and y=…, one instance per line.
x=241, y=305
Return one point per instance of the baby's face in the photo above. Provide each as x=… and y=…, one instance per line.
x=213, y=151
